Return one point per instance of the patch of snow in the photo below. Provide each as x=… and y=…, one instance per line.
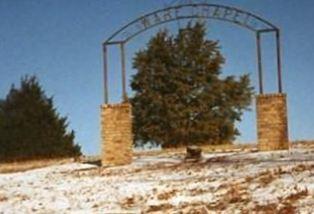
x=156, y=180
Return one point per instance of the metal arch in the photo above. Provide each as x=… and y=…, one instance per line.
x=271, y=26
x=170, y=20
x=268, y=28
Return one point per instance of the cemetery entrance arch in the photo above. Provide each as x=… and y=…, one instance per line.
x=271, y=108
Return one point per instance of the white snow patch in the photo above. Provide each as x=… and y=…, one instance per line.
x=153, y=181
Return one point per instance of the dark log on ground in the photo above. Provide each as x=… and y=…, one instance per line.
x=193, y=152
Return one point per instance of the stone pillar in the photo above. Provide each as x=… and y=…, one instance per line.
x=272, y=123
x=116, y=134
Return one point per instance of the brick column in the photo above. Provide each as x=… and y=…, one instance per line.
x=116, y=134
x=272, y=123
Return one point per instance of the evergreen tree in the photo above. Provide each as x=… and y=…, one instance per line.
x=180, y=97
x=32, y=128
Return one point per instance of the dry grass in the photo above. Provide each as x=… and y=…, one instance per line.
x=28, y=165
x=285, y=208
x=217, y=206
x=162, y=208
x=167, y=195
x=306, y=144
x=267, y=208
x=195, y=209
x=237, y=194
x=128, y=202
x=3, y=198
x=293, y=197
x=266, y=178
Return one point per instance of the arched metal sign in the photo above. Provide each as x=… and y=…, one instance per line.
x=233, y=15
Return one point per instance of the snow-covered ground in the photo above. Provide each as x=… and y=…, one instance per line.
x=242, y=182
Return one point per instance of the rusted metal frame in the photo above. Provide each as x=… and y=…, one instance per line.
x=135, y=21
x=191, y=5
x=267, y=30
x=278, y=60
x=246, y=12
x=259, y=62
x=272, y=28
x=181, y=17
x=105, y=70
x=278, y=56
x=123, y=73
x=113, y=42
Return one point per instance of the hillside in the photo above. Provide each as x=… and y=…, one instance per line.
x=266, y=182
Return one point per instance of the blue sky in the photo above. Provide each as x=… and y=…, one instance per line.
x=60, y=42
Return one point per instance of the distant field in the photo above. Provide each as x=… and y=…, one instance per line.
x=33, y=164
x=205, y=148
x=22, y=166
